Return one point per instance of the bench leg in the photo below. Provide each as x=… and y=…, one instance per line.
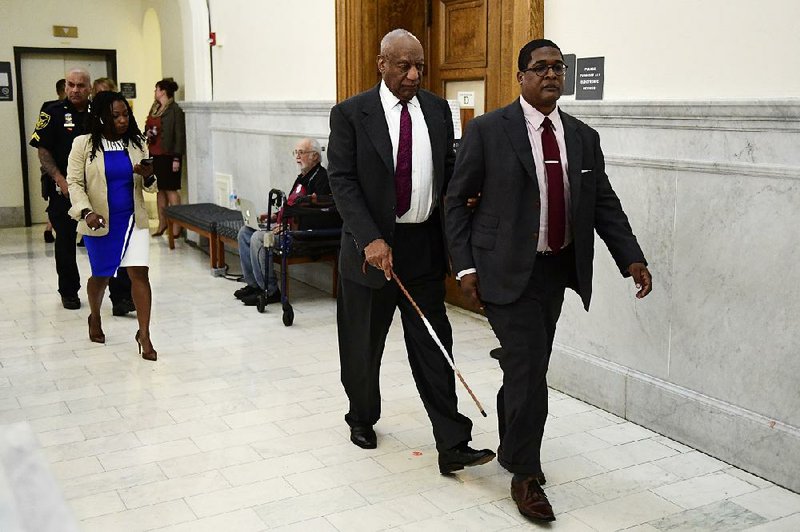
x=220, y=253
x=212, y=251
x=170, y=238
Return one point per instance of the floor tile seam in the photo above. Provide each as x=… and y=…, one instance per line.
x=323, y=466
x=364, y=502
x=386, y=473
x=731, y=501
x=680, y=509
x=718, y=472
x=179, y=497
x=474, y=504
x=252, y=506
x=142, y=445
x=83, y=521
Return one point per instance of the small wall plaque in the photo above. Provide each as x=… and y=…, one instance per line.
x=69, y=32
x=6, y=90
x=128, y=90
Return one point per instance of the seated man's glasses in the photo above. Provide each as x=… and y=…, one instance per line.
x=301, y=152
x=540, y=69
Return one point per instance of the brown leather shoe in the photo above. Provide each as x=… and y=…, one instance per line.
x=531, y=500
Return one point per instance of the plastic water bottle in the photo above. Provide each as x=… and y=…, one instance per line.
x=233, y=200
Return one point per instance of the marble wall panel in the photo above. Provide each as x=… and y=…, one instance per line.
x=619, y=327
x=737, y=299
x=750, y=132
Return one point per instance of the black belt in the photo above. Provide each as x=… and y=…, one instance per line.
x=553, y=253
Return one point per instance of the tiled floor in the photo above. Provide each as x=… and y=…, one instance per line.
x=238, y=426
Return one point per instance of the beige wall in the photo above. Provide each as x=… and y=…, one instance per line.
x=684, y=49
x=274, y=50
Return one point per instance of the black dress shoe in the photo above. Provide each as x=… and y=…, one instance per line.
x=540, y=478
x=246, y=290
x=71, y=302
x=364, y=437
x=120, y=308
x=275, y=297
x=530, y=498
x=251, y=300
x=462, y=456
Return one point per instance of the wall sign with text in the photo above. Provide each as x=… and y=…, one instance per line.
x=589, y=76
x=128, y=90
x=6, y=90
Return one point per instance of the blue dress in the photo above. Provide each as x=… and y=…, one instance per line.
x=106, y=252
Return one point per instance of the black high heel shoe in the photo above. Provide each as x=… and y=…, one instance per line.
x=100, y=337
x=147, y=355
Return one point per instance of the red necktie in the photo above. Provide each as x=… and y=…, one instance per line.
x=556, y=217
x=402, y=172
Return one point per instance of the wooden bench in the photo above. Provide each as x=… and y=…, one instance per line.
x=203, y=219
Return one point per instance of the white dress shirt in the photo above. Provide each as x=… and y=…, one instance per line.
x=421, y=154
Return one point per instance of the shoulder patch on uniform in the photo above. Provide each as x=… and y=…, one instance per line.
x=44, y=119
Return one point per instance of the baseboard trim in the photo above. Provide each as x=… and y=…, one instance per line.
x=12, y=216
x=746, y=439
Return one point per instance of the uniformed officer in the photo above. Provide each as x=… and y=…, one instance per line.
x=47, y=181
x=57, y=127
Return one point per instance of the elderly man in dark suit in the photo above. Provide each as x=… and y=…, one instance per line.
x=390, y=156
x=544, y=192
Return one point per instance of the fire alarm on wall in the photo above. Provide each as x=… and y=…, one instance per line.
x=212, y=38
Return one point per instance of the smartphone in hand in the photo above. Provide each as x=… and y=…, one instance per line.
x=147, y=162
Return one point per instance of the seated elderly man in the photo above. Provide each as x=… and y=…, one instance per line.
x=313, y=179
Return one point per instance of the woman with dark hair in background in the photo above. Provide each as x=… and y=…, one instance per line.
x=107, y=172
x=166, y=137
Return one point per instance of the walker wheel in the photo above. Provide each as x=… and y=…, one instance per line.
x=288, y=315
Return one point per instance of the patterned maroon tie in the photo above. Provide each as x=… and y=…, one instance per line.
x=556, y=217
x=402, y=172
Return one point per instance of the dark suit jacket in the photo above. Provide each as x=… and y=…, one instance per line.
x=499, y=238
x=361, y=173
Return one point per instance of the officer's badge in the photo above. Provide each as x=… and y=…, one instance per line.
x=68, y=120
x=44, y=119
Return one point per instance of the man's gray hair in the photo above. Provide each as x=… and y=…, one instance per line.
x=395, y=34
x=83, y=72
x=314, y=145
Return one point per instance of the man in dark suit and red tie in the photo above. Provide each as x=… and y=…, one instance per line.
x=544, y=192
x=390, y=156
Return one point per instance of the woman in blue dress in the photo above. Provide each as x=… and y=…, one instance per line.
x=107, y=172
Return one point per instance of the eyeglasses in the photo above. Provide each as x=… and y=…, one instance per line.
x=559, y=69
x=302, y=152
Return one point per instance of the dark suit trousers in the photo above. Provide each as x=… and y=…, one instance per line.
x=364, y=316
x=119, y=287
x=526, y=329
x=69, y=279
